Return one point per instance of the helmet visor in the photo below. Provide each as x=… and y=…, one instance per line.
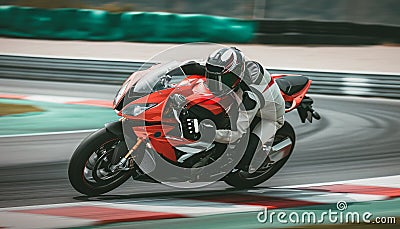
x=218, y=82
x=214, y=83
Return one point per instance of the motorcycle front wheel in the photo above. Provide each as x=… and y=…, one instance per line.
x=89, y=168
x=243, y=179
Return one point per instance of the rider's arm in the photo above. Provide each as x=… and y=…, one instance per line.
x=251, y=106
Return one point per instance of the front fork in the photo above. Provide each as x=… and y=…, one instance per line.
x=122, y=165
x=116, y=129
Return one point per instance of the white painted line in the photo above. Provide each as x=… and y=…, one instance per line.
x=386, y=181
x=53, y=99
x=191, y=208
x=316, y=196
x=48, y=133
x=42, y=206
x=62, y=205
x=391, y=182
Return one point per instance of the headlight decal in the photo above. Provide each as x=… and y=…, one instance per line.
x=137, y=109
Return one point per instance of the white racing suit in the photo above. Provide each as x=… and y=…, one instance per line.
x=261, y=100
x=262, y=103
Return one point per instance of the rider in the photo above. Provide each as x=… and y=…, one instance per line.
x=227, y=71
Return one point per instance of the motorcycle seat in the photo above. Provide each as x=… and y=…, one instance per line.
x=291, y=84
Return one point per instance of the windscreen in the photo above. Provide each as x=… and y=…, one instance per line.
x=158, y=78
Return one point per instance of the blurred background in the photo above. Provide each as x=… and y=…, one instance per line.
x=257, y=21
x=362, y=11
x=62, y=62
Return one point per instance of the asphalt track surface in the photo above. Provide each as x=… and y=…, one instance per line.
x=356, y=138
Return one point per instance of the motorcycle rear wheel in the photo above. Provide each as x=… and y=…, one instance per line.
x=242, y=179
x=89, y=168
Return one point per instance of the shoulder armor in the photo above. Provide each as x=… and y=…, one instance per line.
x=254, y=73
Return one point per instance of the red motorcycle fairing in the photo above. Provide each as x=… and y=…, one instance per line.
x=197, y=93
x=192, y=88
x=157, y=137
x=156, y=127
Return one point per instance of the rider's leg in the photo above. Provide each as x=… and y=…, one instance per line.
x=265, y=131
x=262, y=135
x=253, y=145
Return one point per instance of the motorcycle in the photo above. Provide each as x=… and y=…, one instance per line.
x=163, y=135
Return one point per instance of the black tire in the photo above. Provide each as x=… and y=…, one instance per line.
x=242, y=179
x=90, y=146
